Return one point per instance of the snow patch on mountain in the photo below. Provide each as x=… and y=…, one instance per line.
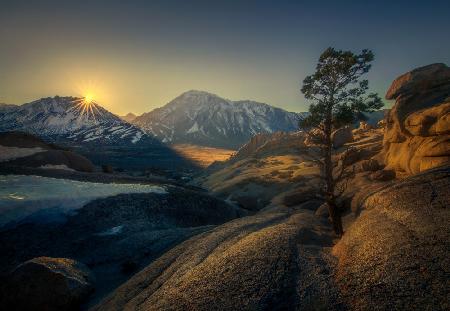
x=63, y=117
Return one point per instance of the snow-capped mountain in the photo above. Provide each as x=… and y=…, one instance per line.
x=198, y=117
x=63, y=117
x=93, y=131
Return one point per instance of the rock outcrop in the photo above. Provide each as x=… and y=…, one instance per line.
x=417, y=134
x=278, y=143
x=342, y=136
x=46, y=283
x=395, y=255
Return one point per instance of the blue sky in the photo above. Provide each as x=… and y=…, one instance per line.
x=138, y=55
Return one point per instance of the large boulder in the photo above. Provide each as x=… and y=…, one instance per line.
x=342, y=136
x=417, y=134
x=46, y=283
x=419, y=80
x=395, y=255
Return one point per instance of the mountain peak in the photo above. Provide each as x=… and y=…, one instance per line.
x=202, y=118
x=57, y=117
x=129, y=117
x=198, y=93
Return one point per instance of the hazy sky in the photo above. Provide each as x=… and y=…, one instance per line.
x=138, y=55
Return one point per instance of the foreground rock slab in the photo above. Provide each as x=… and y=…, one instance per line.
x=395, y=255
x=267, y=261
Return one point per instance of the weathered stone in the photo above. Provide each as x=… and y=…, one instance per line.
x=422, y=78
x=369, y=165
x=395, y=255
x=46, y=283
x=350, y=156
x=381, y=123
x=417, y=135
x=311, y=205
x=108, y=169
x=365, y=126
x=342, y=136
x=322, y=211
x=383, y=175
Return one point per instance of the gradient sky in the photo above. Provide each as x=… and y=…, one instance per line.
x=138, y=55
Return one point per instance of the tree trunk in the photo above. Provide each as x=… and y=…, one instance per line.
x=329, y=180
x=335, y=218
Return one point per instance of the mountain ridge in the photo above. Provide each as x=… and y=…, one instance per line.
x=99, y=135
x=204, y=118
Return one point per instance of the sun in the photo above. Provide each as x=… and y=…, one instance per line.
x=89, y=98
x=87, y=108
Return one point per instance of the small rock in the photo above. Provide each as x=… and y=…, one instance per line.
x=342, y=136
x=350, y=156
x=247, y=202
x=383, y=175
x=363, y=125
x=296, y=198
x=381, y=124
x=108, y=169
x=311, y=205
x=322, y=211
x=369, y=165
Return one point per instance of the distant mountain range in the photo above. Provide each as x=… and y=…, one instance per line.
x=62, y=118
x=197, y=117
x=194, y=117
x=99, y=134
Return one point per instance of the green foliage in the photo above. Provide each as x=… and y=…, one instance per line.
x=339, y=97
x=338, y=94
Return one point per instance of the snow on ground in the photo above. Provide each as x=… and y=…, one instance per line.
x=41, y=199
x=57, y=167
x=113, y=231
x=11, y=153
x=137, y=137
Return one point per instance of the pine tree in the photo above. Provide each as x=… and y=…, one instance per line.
x=338, y=96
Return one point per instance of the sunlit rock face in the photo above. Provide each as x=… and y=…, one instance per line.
x=395, y=255
x=417, y=135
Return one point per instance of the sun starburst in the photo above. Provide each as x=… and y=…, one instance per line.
x=87, y=107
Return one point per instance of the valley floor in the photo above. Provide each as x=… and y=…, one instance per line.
x=202, y=156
